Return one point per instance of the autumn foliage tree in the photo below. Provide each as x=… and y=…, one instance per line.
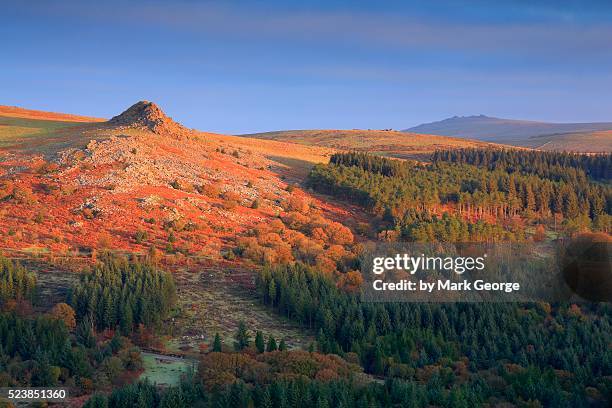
x=65, y=313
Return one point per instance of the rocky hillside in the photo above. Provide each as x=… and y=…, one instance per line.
x=142, y=181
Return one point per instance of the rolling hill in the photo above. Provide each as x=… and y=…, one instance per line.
x=581, y=137
x=585, y=142
x=385, y=142
x=69, y=181
x=74, y=187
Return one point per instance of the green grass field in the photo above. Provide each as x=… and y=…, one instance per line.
x=164, y=372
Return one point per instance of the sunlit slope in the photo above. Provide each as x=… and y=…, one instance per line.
x=582, y=142
x=34, y=131
x=16, y=112
x=30, y=130
x=388, y=143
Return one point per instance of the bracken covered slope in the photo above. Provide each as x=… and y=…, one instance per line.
x=142, y=180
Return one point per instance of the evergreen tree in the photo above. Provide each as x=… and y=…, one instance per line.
x=271, y=344
x=217, y=344
x=259, y=342
x=242, y=337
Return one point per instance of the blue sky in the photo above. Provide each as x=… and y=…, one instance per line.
x=239, y=67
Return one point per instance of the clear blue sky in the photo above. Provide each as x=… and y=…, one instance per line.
x=239, y=67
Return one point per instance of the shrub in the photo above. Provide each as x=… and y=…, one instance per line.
x=212, y=190
x=229, y=205
x=104, y=240
x=230, y=200
x=540, y=233
x=141, y=236
x=182, y=185
x=363, y=228
x=23, y=195
x=298, y=204
x=46, y=168
x=39, y=218
x=339, y=234
x=231, y=196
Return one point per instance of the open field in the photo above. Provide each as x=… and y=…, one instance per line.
x=584, y=142
x=164, y=370
x=215, y=299
x=385, y=142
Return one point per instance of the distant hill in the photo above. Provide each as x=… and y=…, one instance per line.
x=385, y=142
x=559, y=136
x=17, y=112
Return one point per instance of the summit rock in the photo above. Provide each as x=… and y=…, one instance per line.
x=148, y=116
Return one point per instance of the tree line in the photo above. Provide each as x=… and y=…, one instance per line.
x=16, y=282
x=122, y=294
x=299, y=392
x=53, y=348
x=405, y=193
x=569, y=167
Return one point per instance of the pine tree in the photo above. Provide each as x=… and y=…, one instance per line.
x=242, y=337
x=282, y=346
x=217, y=344
x=272, y=344
x=272, y=292
x=259, y=342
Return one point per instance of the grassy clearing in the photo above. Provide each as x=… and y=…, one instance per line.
x=213, y=302
x=162, y=371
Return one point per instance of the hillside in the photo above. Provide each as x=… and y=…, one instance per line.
x=16, y=112
x=562, y=136
x=143, y=184
x=32, y=130
x=584, y=142
x=385, y=142
x=83, y=180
